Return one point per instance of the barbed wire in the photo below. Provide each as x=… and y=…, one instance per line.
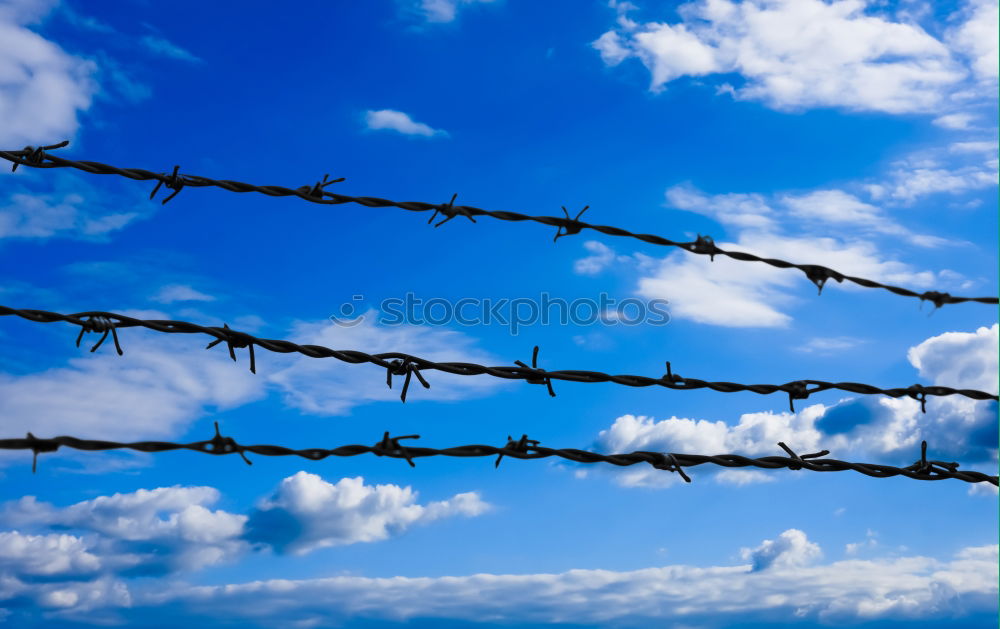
x=704, y=245
x=523, y=448
x=407, y=365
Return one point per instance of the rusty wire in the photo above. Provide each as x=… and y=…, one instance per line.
x=523, y=448
x=704, y=245
x=400, y=364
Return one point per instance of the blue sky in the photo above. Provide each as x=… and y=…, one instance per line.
x=860, y=136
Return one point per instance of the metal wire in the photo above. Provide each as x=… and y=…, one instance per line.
x=523, y=448
x=704, y=245
x=396, y=363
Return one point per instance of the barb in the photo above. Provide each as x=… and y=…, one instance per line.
x=704, y=245
x=522, y=449
x=398, y=363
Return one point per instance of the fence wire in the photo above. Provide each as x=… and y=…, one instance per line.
x=523, y=448
x=704, y=245
x=407, y=365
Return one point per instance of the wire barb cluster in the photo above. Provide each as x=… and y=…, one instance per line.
x=523, y=448
x=400, y=364
x=36, y=157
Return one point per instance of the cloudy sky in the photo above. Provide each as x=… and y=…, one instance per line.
x=857, y=135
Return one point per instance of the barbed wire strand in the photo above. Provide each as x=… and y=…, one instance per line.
x=523, y=448
x=401, y=364
x=704, y=245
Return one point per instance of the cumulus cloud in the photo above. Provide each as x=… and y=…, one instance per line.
x=789, y=584
x=791, y=549
x=45, y=555
x=172, y=530
x=959, y=359
x=163, y=530
x=391, y=120
x=306, y=513
x=958, y=428
x=807, y=53
x=330, y=387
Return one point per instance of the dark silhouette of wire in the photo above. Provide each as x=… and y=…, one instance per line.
x=400, y=364
x=704, y=245
x=523, y=448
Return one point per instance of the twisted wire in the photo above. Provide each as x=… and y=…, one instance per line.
x=397, y=363
x=523, y=448
x=704, y=245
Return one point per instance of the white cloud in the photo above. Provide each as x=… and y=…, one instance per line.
x=743, y=294
x=988, y=148
x=798, y=54
x=398, y=121
x=171, y=529
x=977, y=38
x=907, y=588
x=954, y=121
x=819, y=210
x=69, y=206
x=853, y=548
x=792, y=549
x=601, y=257
x=168, y=530
x=911, y=183
x=162, y=383
x=717, y=293
x=190, y=537
x=154, y=390
x=331, y=387
x=960, y=359
x=757, y=434
x=44, y=216
x=738, y=210
x=959, y=168
x=825, y=345
x=442, y=10
x=42, y=88
x=166, y=48
x=347, y=512
x=834, y=206
x=890, y=429
x=45, y=554
x=179, y=292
